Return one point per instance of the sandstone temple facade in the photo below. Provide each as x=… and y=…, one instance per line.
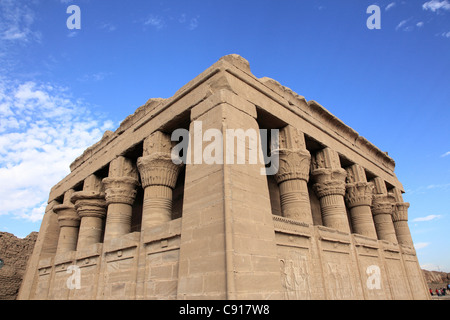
x=130, y=223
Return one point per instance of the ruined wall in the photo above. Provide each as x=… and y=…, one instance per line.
x=15, y=253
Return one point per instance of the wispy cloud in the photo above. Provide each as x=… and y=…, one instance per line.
x=403, y=25
x=436, y=5
x=42, y=129
x=72, y=34
x=426, y=188
x=16, y=21
x=108, y=27
x=437, y=186
x=434, y=267
x=421, y=245
x=193, y=23
x=448, y=152
x=427, y=218
x=155, y=21
x=162, y=21
x=98, y=76
x=390, y=6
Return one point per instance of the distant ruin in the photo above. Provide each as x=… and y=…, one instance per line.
x=14, y=253
x=129, y=222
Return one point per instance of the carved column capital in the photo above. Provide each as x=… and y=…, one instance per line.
x=359, y=194
x=400, y=219
x=69, y=222
x=329, y=178
x=293, y=174
x=159, y=176
x=158, y=169
x=382, y=204
x=329, y=182
x=67, y=216
x=120, y=190
x=90, y=202
x=66, y=212
x=400, y=212
x=293, y=164
x=120, y=185
x=120, y=193
x=90, y=205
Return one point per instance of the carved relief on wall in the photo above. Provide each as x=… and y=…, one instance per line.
x=295, y=276
x=340, y=280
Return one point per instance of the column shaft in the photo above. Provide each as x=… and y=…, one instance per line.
x=120, y=192
x=295, y=200
x=362, y=221
x=330, y=189
x=159, y=176
x=385, y=227
x=91, y=229
x=358, y=196
x=118, y=220
x=382, y=209
x=157, y=207
x=69, y=223
x=68, y=236
x=293, y=175
x=402, y=232
x=400, y=218
x=332, y=207
x=91, y=207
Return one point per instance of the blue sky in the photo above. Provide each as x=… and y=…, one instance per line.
x=60, y=89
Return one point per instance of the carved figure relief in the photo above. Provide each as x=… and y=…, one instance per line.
x=295, y=276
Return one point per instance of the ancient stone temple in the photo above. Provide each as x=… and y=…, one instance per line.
x=141, y=216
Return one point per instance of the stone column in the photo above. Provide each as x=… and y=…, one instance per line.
x=359, y=199
x=91, y=207
x=400, y=219
x=158, y=176
x=69, y=223
x=120, y=192
x=293, y=175
x=382, y=208
x=330, y=188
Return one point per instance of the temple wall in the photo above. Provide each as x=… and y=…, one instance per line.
x=130, y=223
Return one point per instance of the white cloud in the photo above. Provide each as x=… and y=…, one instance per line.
x=435, y=5
x=193, y=24
x=160, y=21
x=182, y=18
x=448, y=152
x=16, y=21
x=403, y=25
x=42, y=130
x=430, y=267
x=421, y=245
x=424, y=189
x=427, y=218
x=420, y=24
x=108, y=27
x=155, y=21
x=98, y=76
x=390, y=6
